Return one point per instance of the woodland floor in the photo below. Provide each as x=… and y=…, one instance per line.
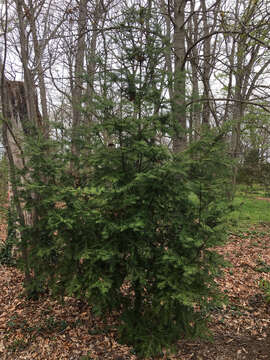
x=45, y=329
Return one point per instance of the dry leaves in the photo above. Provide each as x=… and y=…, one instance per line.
x=46, y=329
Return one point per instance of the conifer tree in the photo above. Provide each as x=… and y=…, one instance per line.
x=132, y=233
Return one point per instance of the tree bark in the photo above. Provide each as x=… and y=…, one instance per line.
x=179, y=90
x=77, y=90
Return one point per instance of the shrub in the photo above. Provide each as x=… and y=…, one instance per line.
x=132, y=231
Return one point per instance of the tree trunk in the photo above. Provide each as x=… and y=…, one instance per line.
x=15, y=127
x=77, y=90
x=179, y=91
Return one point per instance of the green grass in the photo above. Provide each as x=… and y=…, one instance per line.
x=255, y=190
x=248, y=210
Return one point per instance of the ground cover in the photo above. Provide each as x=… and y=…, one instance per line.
x=46, y=329
x=251, y=207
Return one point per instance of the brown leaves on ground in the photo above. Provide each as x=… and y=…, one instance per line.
x=3, y=228
x=46, y=329
x=241, y=330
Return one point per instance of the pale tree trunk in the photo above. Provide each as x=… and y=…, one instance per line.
x=91, y=67
x=238, y=114
x=77, y=90
x=21, y=117
x=243, y=71
x=38, y=50
x=210, y=24
x=195, y=118
x=168, y=50
x=91, y=60
x=202, y=58
x=36, y=31
x=15, y=125
x=206, y=66
x=179, y=90
x=29, y=85
x=191, y=37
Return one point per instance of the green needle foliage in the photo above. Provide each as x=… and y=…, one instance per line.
x=125, y=224
x=131, y=230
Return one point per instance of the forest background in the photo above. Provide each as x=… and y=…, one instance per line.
x=127, y=126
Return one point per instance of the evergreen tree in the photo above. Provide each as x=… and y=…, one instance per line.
x=132, y=228
x=137, y=236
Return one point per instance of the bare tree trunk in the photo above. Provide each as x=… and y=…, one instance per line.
x=29, y=85
x=91, y=60
x=243, y=66
x=191, y=37
x=38, y=49
x=77, y=90
x=179, y=95
x=168, y=51
x=207, y=66
x=15, y=125
x=21, y=116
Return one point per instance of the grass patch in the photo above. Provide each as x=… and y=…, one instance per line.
x=254, y=190
x=249, y=210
